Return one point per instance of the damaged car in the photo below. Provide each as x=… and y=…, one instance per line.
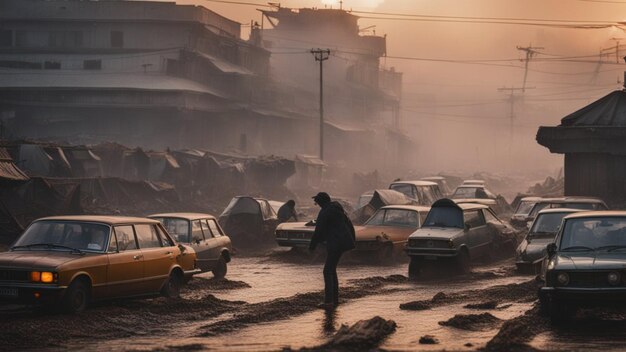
x=532, y=251
x=460, y=233
x=520, y=217
x=585, y=264
x=203, y=233
x=249, y=221
x=422, y=192
x=570, y=202
x=71, y=261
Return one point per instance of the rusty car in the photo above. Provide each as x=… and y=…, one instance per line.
x=203, y=233
x=249, y=221
x=71, y=261
x=422, y=192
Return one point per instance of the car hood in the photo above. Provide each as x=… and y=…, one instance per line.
x=532, y=249
x=294, y=226
x=437, y=232
x=590, y=261
x=370, y=233
x=24, y=259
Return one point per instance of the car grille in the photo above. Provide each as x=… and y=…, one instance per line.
x=300, y=235
x=591, y=279
x=425, y=243
x=13, y=275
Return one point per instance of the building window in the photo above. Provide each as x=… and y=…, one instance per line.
x=52, y=65
x=117, y=39
x=65, y=39
x=92, y=64
x=6, y=37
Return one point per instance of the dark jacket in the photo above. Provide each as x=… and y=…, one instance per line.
x=334, y=228
x=286, y=212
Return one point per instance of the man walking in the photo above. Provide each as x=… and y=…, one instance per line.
x=335, y=229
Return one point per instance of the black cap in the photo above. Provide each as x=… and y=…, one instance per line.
x=321, y=198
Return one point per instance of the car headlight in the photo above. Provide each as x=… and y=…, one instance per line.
x=43, y=276
x=614, y=278
x=451, y=243
x=562, y=279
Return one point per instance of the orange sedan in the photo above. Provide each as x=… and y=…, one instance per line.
x=386, y=233
x=74, y=260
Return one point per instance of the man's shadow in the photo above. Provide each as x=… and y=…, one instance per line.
x=328, y=325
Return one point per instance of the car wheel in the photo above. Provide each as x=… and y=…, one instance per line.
x=415, y=266
x=463, y=261
x=76, y=298
x=220, y=268
x=171, y=288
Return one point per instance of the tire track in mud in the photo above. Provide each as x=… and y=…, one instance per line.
x=284, y=308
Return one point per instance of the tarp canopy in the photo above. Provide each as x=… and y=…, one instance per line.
x=8, y=170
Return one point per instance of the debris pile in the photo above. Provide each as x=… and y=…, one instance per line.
x=362, y=336
x=551, y=187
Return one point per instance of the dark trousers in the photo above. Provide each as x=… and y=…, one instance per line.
x=331, y=283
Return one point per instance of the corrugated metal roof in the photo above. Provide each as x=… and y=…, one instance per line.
x=225, y=66
x=15, y=78
x=609, y=110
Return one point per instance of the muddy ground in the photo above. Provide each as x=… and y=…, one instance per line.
x=269, y=303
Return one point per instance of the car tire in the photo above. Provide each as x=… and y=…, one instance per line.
x=76, y=297
x=415, y=268
x=219, y=272
x=463, y=263
x=171, y=287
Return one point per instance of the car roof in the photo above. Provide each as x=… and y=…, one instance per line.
x=474, y=181
x=530, y=199
x=187, y=216
x=415, y=183
x=408, y=207
x=471, y=186
x=485, y=201
x=428, y=178
x=449, y=203
x=105, y=219
x=559, y=210
x=571, y=199
x=595, y=214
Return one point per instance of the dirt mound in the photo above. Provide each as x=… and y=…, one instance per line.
x=415, y=305
x=428, y=340
x=515, y=333
x=213, y=284
x=473, y=322
x=364, y=335
x=482, y=305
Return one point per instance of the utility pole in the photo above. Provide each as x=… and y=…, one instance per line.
x=321, y=55
x=512, y=99
x=530, y=52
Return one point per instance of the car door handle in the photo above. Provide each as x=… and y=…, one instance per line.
x=168, y=253
x=137, y=257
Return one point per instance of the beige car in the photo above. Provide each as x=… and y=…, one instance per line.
x=75, y=260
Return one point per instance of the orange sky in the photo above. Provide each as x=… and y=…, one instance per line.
x=434, y=90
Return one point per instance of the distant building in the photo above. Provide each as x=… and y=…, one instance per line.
x=138, y=72
x=362, y=97
x=593, y=140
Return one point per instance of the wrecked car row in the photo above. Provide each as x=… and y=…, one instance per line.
x=71, y=261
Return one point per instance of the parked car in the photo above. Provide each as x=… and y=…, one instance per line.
x=460, y=232
x=249, y=221
x=442, y=182
x=385, y=234
x=472, y=191
x=570, y=202
x=585, y=264
x=295, y=234
x=531, y=252
x=423, y=192
x=523, y=209
x=74, y=260
x=204, y=235
x=379, y=199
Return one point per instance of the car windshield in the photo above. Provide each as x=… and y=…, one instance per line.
x=177, y=228
x=469, y=192
x=444, y=217
x=524, y=208
x=64, y=235
x=405, y=189
x=547, y=224
x=597, y=233
x=394, y=217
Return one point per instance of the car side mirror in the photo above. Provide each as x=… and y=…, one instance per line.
x=467, y=226
x=182, y=248
x=551, y=249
